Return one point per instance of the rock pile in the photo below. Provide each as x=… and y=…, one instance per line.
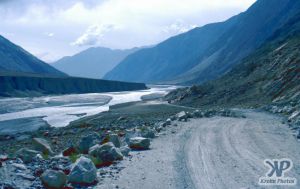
x=39, y=167
x=291, y=112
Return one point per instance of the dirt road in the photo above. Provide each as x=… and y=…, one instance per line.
x=211, y=153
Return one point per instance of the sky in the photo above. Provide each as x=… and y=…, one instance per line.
x=51, y=29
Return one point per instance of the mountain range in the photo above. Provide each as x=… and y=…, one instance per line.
x=22, y=74
x=15, y=59
x=93, y=62
x=269, y=75
x=208, y=52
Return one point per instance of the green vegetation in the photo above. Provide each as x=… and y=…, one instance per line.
x=73, y=157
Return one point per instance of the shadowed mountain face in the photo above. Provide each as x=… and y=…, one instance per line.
x=271, y=74
x=23, y=85
x=93, y=62
x=15, y=59
x=208, y=52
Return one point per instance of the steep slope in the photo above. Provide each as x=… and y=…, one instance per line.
x=14, y=86
x=170, y=58
x=269, y=75
x=93, y=62
x=15, y=59
x=208, y=52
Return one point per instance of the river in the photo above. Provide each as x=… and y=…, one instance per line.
x=28, y=114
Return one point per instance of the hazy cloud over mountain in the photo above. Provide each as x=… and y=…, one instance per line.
x=57, y=28
x=93, y=35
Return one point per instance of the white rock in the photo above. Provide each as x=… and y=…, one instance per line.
x=181, y=116
x=105, y=153
x=139, y=143
x=83, y=171
x=54, y=179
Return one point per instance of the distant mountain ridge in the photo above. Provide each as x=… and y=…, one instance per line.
x=93, y=62
x=208, y=52
x=22, y=74
x=15, y=59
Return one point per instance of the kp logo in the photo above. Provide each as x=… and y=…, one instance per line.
x=277, y=170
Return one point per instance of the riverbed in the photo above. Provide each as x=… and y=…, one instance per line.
x=29, y=114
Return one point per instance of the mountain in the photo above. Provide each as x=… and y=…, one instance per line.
x=207, y=52
x=15, y=59
x=22, y=74
x=269, y=75
x=93, y=62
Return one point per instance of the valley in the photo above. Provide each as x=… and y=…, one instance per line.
x=203, y=105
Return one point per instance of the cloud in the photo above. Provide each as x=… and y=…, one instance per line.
x=93, y=35
x=49, y=34
x=115, y=24
x=178, y=27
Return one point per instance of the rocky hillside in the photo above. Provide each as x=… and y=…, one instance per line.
x=208, y=52
x=268, y=79
x=270, y=75
x=93, y=62
x=39, y=85
x=15, y=59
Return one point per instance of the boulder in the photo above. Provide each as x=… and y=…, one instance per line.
x=209, y=113
x=224, y=113
x=54, y=179
x=189, y=115
x=114, y=138
x=3, y=157
x=158, y=128
x=88, y=141
x=125, y=150
x=163, y=124
x=197, y=114
x=181, y=116
x=83, y=172
x=26, y=155
x=129, y=133
x=172, y=118
x=105, y=154
x=168, y=121
x=42, y=145
x=147, y=132
x=139, y=143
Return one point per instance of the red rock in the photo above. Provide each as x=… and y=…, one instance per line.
x=67, y=171
x=69, y=151
x=38, y=172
